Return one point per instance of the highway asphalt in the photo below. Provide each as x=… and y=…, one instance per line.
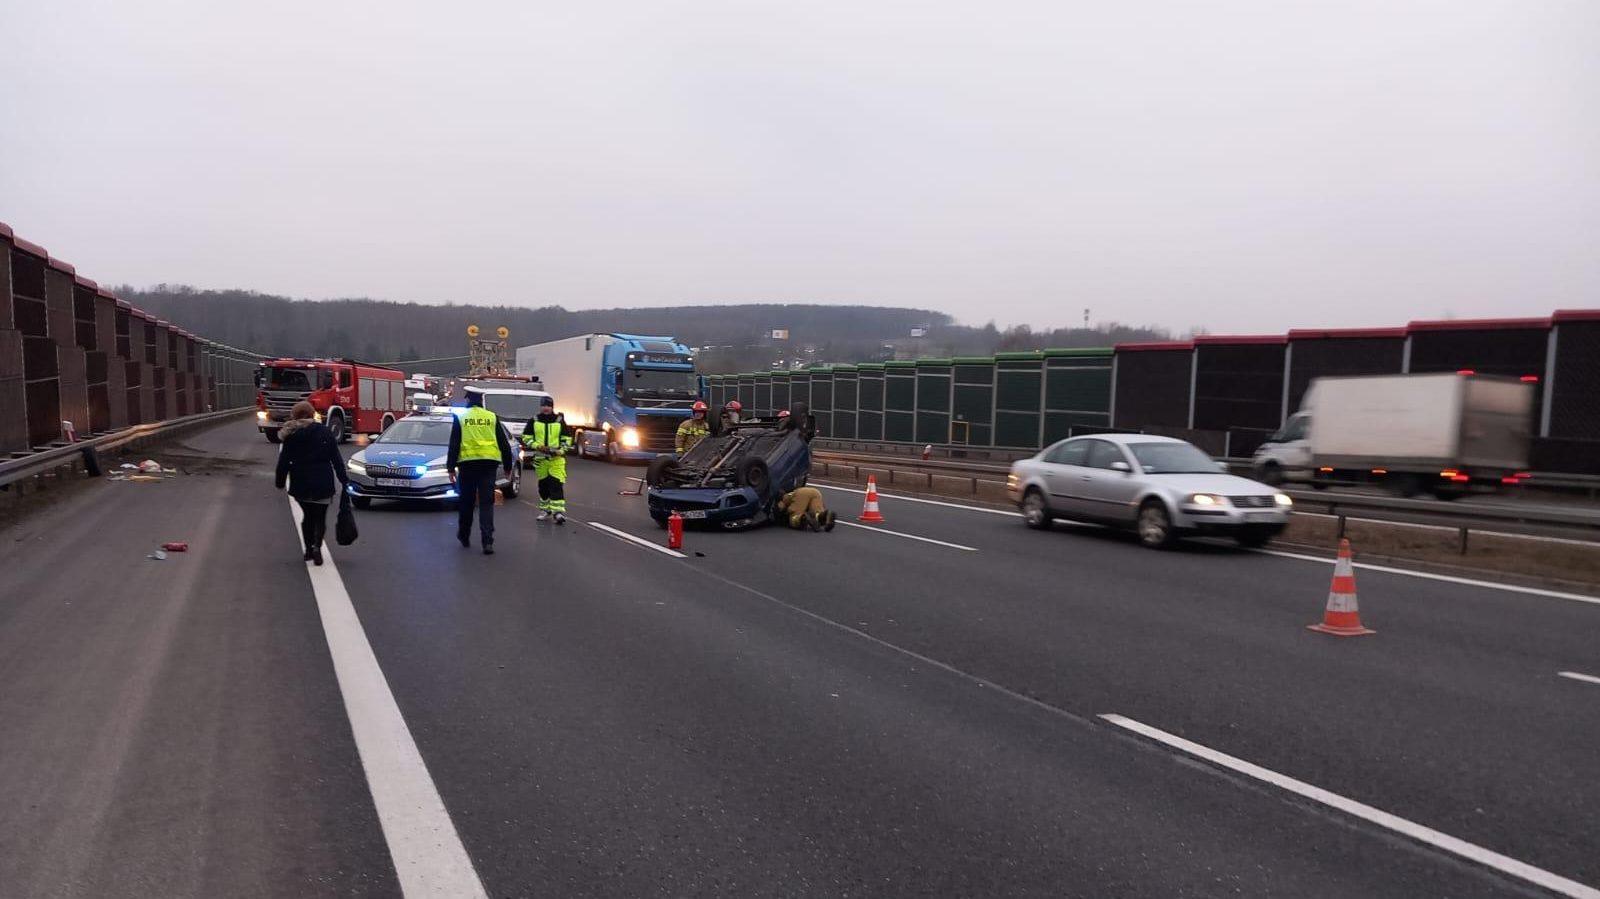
x=912, y=711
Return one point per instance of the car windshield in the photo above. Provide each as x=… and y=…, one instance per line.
x=657, y=384
x=518, y=406
x=1172, y=458
x=417, y=430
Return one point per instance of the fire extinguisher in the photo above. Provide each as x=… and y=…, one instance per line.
x=674, y=531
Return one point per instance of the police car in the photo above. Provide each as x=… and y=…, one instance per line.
x=407, y=462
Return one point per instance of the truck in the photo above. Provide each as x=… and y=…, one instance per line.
x=1446, y=434
x=350, y=397
x=624, y=394
x=514, y=399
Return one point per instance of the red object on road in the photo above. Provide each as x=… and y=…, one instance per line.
x=869, y=508
x=674, y=531
x=175, y=547
x=1342, y=618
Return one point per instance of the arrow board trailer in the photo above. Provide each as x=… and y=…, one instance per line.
x=625, y=394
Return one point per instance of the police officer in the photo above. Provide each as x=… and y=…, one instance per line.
x=478, y=447
x=550, y=439
x=693, y=430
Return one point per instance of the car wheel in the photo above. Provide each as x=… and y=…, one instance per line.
x=659, y=466
x=1155, y=525
x=1252, y=538
x=361, y=502
x=336, y=427
x=753, y=473
x=577, y=444
x=513, y=484
x=1035, y=509
x=272, y=435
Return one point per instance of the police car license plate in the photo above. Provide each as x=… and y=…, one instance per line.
x=392, y=482
x=693, y=513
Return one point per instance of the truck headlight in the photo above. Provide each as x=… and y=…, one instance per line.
x=630, y=438
x=1283, y=500
x=1204, y=499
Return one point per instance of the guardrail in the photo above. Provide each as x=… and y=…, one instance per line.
x=14, y=470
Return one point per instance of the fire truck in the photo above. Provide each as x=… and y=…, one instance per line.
x=350, y=397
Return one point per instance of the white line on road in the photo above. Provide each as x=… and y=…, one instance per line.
x=635, y=540
x=1587, y=678
x=429, y=858
x=862, y=527
x=913, y=499
x=1470, y=851
x=1447, y=578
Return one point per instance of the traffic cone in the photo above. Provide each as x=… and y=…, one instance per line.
x=869, y=511
x=1342, y=617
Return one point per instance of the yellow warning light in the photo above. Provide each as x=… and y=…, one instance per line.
x=472, y=330
x=502, y=332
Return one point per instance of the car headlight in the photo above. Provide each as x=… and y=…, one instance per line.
x=317, y=416
x=432, y=468
x=1283, y=500
x=261, y=414
x=1205, y=499
x=630, y=438
x=356, y=465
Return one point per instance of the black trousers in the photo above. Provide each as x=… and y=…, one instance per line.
x=313, y=522
x=475, y=487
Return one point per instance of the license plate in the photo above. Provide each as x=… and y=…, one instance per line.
x=693, y=513
x=1260, y=516
x=392, y=482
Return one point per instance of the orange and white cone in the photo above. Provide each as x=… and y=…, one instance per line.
x=869, y=510
x=1342, y=617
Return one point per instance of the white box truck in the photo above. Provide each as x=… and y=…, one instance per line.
x=1445, y=434
x=625, y=394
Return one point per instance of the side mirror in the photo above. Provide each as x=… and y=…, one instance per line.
x=1123, y=467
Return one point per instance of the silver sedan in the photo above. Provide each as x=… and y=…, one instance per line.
x=1162, y=487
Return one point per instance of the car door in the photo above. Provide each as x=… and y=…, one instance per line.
x=1062, y=468
x=1108, y=493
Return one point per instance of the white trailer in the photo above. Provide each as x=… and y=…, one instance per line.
x=625, y=394
x=1441, y=433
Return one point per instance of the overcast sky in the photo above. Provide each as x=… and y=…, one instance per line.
x=1242, y=166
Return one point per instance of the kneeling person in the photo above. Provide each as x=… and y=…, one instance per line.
x=803, y=508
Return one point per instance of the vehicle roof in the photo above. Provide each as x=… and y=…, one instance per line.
x=1130, y=438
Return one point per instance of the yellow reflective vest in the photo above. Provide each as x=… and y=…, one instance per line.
x=478, y=435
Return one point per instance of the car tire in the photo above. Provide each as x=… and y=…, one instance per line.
x=513, y=484
x=336, y=427
x=272, y=435
x=659, y=466
x=577, y=444
x=1155, y=525
x=1036, y=509
x=754, y=473
x=361, y=502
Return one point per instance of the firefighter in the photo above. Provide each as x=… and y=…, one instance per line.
x=693, y=430
x=478, y=447
x=802, y=507
x=730, y=413
x=548, y=436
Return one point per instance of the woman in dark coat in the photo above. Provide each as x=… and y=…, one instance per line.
x=309, y=460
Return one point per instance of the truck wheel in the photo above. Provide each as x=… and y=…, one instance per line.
x=753, y=473
x=613, y=454
x=577, y=444
x=1272, y=473
x=336, y=427
x=659, y=466
x=272, y=435
x=1155, y=525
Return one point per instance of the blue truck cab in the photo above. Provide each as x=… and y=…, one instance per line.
x=624, y=394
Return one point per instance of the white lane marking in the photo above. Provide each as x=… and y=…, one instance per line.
x=1588, y=678
x=635, y=540
x=429, y=858
x=1445, y=527
x=913, y=499
x=1470, y=851
x=1449, y=579
x=851, y=524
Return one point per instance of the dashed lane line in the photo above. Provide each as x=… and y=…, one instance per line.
x=1421, y=833
x=429, y=858
x=862, y=527
x=1586, y=678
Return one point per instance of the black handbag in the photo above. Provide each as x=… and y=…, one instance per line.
x=344, y=530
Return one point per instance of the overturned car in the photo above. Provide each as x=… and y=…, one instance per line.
x=733, y=478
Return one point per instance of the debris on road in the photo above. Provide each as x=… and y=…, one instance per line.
x=176, y=546
x=158, y=555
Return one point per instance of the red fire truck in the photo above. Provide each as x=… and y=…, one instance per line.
x=349, y=396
